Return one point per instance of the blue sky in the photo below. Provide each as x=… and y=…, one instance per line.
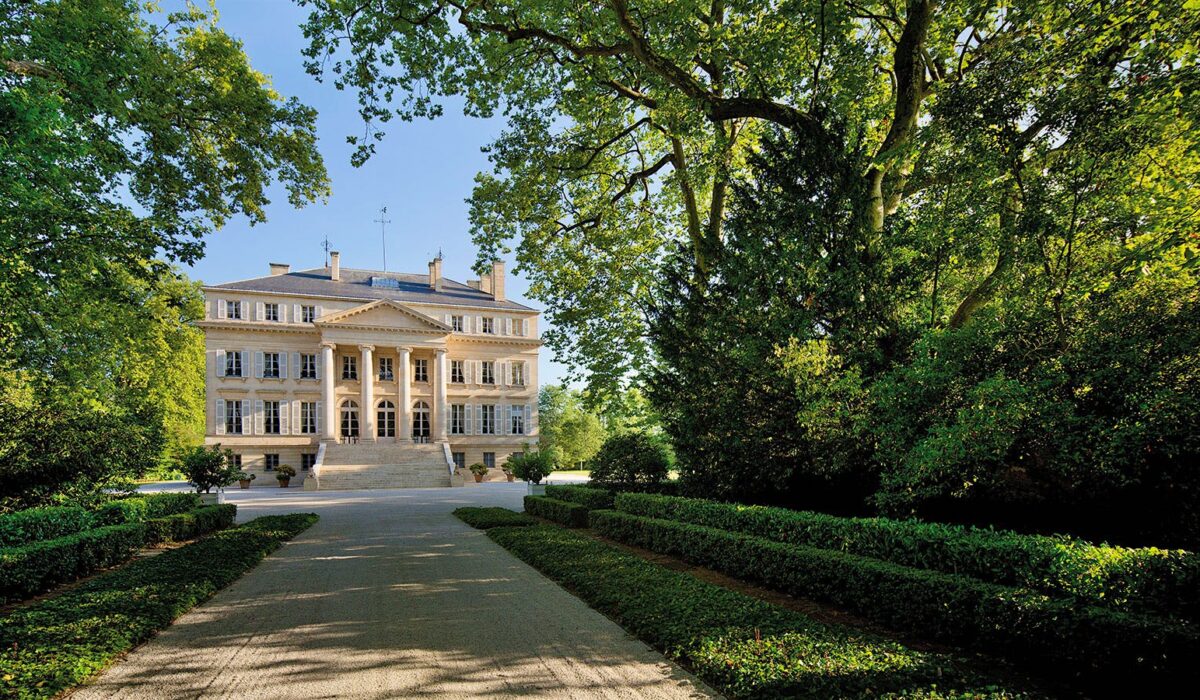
x=423, y=172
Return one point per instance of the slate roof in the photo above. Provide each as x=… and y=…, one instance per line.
x=355, y=284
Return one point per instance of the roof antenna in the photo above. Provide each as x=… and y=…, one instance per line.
x=383, y=221
x=439, y=253
x=325, y=246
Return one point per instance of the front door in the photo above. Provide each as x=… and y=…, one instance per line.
x=420, y=418
x=349, y=420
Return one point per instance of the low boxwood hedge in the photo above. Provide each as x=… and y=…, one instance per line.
x=40, y=566
x=36, y=524
x=1101, y=647
x=591, y=497
x=742, y=646
x=189, y=526
x=486, y=518
x=1145, y=579
x=565, y=512
x=54, y=644
x=136, y=509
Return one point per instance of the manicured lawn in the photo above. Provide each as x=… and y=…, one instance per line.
x=52, y=645
x=571, y=472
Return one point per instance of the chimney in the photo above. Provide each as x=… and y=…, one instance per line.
x=485, y=282
x=498, y=280
x=435, y=274
x=279, y=268
x=335, y=266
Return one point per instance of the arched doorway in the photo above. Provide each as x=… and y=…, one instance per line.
x=420, y=426
x=349, y=419
x=385, y=426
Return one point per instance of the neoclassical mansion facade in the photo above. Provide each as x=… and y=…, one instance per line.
x=370, y=369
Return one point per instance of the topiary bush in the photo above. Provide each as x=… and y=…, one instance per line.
x=136, y=509
x=531, y=466
x=628, y=459
x=563, y=512
x=37, y=524
x=188, y=526
x=592, y=498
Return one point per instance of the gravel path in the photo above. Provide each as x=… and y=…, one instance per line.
x=391, y=596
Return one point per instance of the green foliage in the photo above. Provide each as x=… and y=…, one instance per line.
x=742, y=646
x=55, y=644
x=487, y=518
x=136, y=509
x=1099, y=648
x=592, y=498
x=37, y=524
x=480, y=469
x=40, y=566
x=1147, y=579
x=566, y=429
x=209, y=467
x=533, y=466
x=285, y=471
x=181, y=527
x=562, y=512
x=627, y=459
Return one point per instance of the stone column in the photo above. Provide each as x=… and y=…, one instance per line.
x=366, y=412
x=404, y=415
x=328, y=407
x=442, y=411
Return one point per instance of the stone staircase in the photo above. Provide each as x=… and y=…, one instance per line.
x=381, y=466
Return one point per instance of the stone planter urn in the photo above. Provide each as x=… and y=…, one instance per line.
x=283, y=482
x=244, y=483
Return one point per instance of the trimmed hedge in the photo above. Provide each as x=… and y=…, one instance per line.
x=742, y=646
x=52, y=645
x=592, y=498
x=189, y=526
x=36, y=524
x=1143, y=579
x=1104, y=647
x=40, y=566
x=486, y=518
x=136, y=509
x=564, y=512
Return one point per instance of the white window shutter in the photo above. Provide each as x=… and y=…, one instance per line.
x=259, y=311
x=506, y=412
x=295, y=417
x=527, y=417
x=258, y=417
x=466, y=371
x=502, y=370
x=479, y=324
x=467, y=419
x=296, y=365
x=284, y=408
x=247, y=417
x=220, y=368
x=479, y=419
x=245, y=363
x=508, y=326
x=220, y=426
x=317, y=366
x=320, y=415
x=449, y=322
x=283, y=365
x=283, y=313
x=466, y=324
x=297, y=313
x=317, y=312
x=222, y=310
x=258, y=364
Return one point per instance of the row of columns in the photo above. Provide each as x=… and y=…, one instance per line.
x=366, y=416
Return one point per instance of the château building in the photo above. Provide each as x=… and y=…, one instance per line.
x=361, y=378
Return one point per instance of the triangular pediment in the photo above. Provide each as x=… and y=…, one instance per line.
x=384, y=313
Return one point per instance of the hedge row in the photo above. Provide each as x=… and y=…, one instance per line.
x=565, y=512
x=52, y=645
x=592, y=498
x=189, y=526
x=1102, y=646
x=486, y=518
x=1145, y=579
x=37, y=524
x=743, y=647
x=136, y=509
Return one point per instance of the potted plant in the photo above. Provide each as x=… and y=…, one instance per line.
x=479, y=469
x=284, y=475
x=244, y=479
x=532, y=467
x=507, y=472
x=207, y=468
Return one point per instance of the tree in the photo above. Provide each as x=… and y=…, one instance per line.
x=207, y=468
x=629, y=459
x=568, y=432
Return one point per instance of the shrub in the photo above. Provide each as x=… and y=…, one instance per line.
x=207, y=468
x=52, y=645
x=531, y=466
x=1121, y=578
x=40, y=566
x=631, y=458
x=1102, y=646
x=744, y=647
x=136, y=509
x=565, y=512
x=37, y=524
x=478, y=469
x=486, y=518
x=593, y=498
x=285, y=471
x=188, y=526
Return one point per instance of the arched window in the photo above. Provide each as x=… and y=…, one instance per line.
x=420, y=420
x=349, y=415
x=386, y=425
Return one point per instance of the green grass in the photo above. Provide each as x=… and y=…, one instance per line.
x=486, y=518
x=742, y=646
x=52, y=645
x=571, y=472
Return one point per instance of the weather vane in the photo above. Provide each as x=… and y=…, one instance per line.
x=383, y=221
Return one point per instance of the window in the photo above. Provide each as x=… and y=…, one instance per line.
x=456, y=324
x=349, y=419
x=457, y=376
x=420, y=419
x=487, y=373
x=489, y=460
x=233, y=417
x=271, y=312
x=307, y=460
x=270, y=365
x=308, y=366
x=236, y=462
x=349, y=367
x=487, y=324
x=460, y=460
x=487, y=419
x=271, y=417
x=421, y=370
x=518, y=326
x=517, y=370
x=233, y=310
x=516, y=420
x=458, y=419
x=233, y=363
x=385, y=369
x=308, y=417
x=272, y=461
x=386, y=425
x=308, y=314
